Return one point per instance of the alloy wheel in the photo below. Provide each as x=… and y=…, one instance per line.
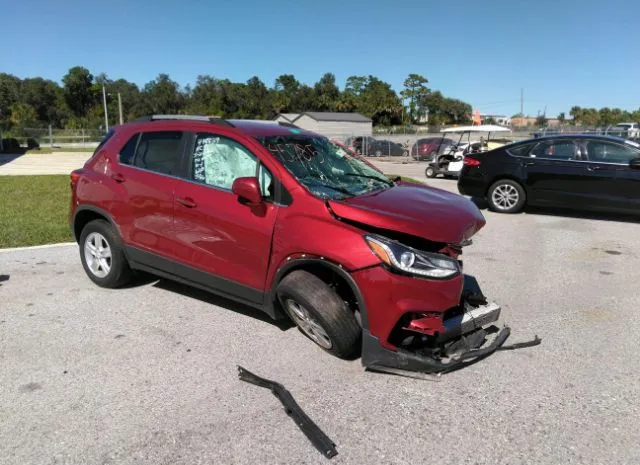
x=308, y=324
x=505, y=197
x=97, y=254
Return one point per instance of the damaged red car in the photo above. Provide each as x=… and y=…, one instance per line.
x=281, y=219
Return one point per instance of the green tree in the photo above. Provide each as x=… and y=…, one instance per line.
x=206, y=97
x=378, y=101
x=561, y=118
x=415, y=90
x=44, y=96
x=541, y=120
x=162, y=96
x=9, y=92
x=286, y=94
x=258, y=98
x=326, y=92
x=23, y=115
x=355, y=85
x=79, y=93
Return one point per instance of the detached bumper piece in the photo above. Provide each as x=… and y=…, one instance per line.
x=317, y=437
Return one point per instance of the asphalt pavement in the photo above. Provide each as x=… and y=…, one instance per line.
x=148, y=374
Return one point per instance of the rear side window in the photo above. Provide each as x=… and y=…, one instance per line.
x=159, y=152
x=107, y=136
x=128, y=151
x=520, y=150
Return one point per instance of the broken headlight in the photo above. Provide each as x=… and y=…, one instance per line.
x=415, y=262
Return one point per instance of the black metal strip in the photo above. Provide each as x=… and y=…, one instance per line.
x=320, y=440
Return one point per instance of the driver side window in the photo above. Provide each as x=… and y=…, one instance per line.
x=218, y=161
x=609, y=152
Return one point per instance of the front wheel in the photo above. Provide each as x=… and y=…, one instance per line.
x=320, y=313
x=430, y=172
x=506, y=196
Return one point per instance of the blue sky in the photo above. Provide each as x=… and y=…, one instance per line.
x=562, y=52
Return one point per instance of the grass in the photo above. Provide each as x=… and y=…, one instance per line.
x=404, y=178
x=33, y=210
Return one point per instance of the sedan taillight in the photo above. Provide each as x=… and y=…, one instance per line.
x=468, y=161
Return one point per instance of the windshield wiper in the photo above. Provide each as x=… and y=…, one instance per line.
x=367, y=176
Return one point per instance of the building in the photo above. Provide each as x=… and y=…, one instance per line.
x=330, y=124
x=501, y=120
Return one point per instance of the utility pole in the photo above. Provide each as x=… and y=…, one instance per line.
x=120, y=107
x=106, y=116
x=522, y=102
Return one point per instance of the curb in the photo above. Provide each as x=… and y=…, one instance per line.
x=35, y=247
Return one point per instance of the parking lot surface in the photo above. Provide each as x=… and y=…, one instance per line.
x=148, y=374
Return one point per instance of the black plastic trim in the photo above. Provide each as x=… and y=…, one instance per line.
x=170, y=269
x=91, y=208
x=318, y=438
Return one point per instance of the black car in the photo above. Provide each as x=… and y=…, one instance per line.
x=584, y=171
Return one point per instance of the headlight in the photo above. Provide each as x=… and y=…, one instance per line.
x=403, y=258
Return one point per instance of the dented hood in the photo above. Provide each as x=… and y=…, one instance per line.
x=430, y=213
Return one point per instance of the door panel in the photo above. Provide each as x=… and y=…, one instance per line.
x=618, y=185
x=554, y=174
x=145, y=182
x=214, y=231
x=629, y=181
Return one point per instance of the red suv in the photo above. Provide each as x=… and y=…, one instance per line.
x=282, y=220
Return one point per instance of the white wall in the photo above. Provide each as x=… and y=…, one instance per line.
x=335, y=128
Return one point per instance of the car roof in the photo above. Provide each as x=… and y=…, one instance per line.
x=568, y=135
x=249, y=127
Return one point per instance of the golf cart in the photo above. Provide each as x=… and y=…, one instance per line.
x=450, y=162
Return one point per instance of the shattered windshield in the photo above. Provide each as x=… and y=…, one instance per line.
x=324, y=168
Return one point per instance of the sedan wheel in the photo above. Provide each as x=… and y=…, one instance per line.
x=506, y=196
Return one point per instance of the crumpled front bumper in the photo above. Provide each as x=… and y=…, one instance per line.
x=377, y=358
x=468, y=338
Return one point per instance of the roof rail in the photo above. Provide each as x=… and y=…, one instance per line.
x=288, y=125
x=210, y=119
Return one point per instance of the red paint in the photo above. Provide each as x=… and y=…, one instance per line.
x=212, y=230
x=427, y=212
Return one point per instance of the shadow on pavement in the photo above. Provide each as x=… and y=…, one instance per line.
x=8, y=158
x=227, y=304
x=569, y=213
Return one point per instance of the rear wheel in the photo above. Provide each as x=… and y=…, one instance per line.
x=320, y=313
x=102, y=255
x=506, y=196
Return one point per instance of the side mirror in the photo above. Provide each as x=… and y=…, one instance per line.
x=635, y=164
x=247, y=190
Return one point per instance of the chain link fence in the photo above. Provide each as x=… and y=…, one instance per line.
x=418, y=145
x=31, y=138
